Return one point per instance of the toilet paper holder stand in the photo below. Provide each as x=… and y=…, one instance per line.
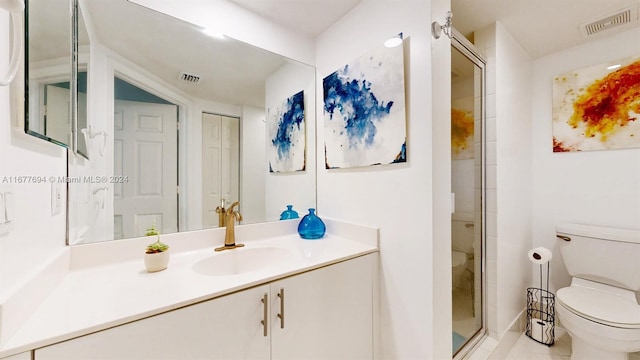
x=540, y=324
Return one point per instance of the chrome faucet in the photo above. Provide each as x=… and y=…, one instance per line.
x=230, y=236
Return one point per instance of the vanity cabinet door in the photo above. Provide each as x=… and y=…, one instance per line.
x=328, y=313
x=228, y=327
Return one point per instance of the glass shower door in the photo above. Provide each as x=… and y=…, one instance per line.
x=467, y=108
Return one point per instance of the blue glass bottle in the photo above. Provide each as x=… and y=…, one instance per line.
x=311, y=226
x=289, y=213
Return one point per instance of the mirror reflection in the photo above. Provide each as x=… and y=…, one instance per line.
x=49, y=71
x=176, y=125
x=48, y=97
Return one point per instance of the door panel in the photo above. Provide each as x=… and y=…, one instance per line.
x=146, y=151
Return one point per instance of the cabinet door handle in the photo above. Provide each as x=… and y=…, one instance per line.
x=265, y=315
x=281, y=315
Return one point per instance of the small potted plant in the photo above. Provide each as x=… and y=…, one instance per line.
x=156, y=257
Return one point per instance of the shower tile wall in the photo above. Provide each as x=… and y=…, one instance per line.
x=485, y=41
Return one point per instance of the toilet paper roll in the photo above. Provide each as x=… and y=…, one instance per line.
x=540, y=255
x=538, y=331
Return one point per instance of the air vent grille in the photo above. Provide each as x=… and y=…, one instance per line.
x=190, y=78
x=624, y=16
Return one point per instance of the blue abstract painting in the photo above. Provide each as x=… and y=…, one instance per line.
x=364, y=111
x=286, y=147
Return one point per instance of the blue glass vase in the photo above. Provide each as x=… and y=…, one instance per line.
x=289, y=213
x=311, y=226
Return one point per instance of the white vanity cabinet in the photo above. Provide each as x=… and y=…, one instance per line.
x=224, y=328
x=328, y=314
x=22, y=356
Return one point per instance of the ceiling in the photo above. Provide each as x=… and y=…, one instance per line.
x=541, y=27
x=166, y=46
x=294, y=14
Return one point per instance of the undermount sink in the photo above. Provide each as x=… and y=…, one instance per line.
x=241, y=260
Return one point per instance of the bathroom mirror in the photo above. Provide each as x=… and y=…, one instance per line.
x=48, y=98
x=151, y=73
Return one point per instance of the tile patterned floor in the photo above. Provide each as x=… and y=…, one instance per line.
x=527, y=349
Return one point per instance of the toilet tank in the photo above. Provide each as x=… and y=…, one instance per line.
x=462, y=232
x=602, y=254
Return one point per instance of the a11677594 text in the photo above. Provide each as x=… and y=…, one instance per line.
x=89, y=179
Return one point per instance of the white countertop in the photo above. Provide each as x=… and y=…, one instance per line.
x=96, y=295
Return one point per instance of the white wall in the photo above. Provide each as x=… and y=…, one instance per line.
x=253, y=171
x=292, y=188
x=513, y=175
x=407, y=201
x=508, y=176
x=37, y=236
x=597, y=187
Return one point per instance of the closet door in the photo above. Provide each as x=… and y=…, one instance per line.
x=220, y=164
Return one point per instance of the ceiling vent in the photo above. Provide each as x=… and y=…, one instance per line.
x=621, y=17
x=190, y=78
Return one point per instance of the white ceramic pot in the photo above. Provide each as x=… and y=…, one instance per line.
x=156, y=261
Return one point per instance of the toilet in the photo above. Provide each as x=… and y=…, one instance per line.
x=462, y=238
x=600, y=308
x=458, y=265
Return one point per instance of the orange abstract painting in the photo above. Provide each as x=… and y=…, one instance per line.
x=462, y=129
x=597, y=108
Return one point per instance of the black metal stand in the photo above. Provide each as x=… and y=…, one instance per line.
x=541, y=313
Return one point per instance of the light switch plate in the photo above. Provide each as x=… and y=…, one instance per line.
x=3, y=211
x=9, y=211
x=56, y=198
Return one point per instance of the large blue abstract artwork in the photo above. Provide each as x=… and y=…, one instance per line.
x=286, y=131
x=364, y=111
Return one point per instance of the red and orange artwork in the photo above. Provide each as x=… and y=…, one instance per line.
x=462, y=129
x=597, y=108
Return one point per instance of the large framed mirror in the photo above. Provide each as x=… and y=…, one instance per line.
x=176, y=121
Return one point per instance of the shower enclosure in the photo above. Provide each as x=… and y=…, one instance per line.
x=467, y=183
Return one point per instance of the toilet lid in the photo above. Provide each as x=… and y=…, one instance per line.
x=600, y=306
x=458, y=258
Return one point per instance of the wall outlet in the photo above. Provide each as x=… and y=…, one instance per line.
x=56, y=198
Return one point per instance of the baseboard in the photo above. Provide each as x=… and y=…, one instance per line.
x=510, y=337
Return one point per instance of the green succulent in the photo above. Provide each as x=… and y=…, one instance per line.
x=157, y=246
x=152, y=230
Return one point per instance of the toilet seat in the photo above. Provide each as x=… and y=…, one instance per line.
x=601, y=307
x=458, y=259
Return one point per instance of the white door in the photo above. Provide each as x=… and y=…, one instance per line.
x=220, y=164
x=146, y=152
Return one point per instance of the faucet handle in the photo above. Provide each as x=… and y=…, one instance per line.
x=230, y=208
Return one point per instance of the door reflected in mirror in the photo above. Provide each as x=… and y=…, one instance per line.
x=145, y=162
x=170, y=161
